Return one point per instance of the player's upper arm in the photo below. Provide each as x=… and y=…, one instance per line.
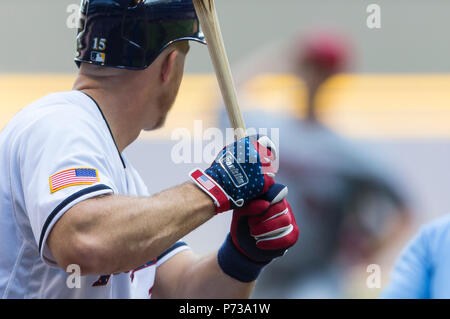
x=170, y=272
x=62, y=162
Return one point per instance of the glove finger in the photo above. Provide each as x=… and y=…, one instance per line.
x=282, y=241
x=254, y=208
x=271, y=227
x=267, y=164
x=268, y=183
x=270, y=212
x=267, y=154
x=275, y=221
x=267, y=143
x=276, y=193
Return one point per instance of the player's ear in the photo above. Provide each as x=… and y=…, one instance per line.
x=168, y=66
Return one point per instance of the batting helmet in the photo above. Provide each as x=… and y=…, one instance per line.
x=130, y=34
x=327, y=49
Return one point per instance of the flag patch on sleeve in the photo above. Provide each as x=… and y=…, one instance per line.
x=72, y=177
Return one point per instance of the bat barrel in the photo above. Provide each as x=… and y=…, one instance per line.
x=210, y=24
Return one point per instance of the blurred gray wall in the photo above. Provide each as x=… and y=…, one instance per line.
x=413, y=35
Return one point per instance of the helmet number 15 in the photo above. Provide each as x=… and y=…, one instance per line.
x=99, y=44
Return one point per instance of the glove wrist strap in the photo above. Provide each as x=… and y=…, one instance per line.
x=236, y=265
x=210, y=187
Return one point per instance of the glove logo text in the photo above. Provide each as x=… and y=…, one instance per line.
x=234, y=170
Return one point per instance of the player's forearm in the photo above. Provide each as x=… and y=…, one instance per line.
x=203, y=278
x=115, y=233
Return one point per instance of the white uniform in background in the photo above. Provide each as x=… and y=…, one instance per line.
x=54, y=154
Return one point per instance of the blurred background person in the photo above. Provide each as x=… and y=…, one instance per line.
x=348, y=203
x=422, y=271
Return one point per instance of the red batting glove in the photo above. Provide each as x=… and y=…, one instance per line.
x=261, y=231
x=266, y=228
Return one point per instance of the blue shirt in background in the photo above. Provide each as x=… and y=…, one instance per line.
x=423, y=269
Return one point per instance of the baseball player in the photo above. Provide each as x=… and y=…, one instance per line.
x=71, y=200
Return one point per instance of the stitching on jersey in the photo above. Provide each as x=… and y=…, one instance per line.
x=14, y=270
x=14, y=214
x=27, y=293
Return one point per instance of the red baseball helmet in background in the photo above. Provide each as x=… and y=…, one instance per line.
x=327, y=49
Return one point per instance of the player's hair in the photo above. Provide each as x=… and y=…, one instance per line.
x=181, y=46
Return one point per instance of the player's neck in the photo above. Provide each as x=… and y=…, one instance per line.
x=119, y=109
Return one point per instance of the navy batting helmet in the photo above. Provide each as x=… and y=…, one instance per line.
x=130, y=34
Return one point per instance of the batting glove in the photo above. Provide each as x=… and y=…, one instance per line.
x=241, y=172
x=260, y=232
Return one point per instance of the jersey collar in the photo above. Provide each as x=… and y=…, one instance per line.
x=109, y=128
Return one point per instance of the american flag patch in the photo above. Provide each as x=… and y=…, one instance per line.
x=72, y=177
x=206, y=182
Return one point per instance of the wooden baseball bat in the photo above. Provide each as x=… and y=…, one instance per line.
x=209, y=21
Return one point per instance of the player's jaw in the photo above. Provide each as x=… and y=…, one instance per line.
x=170, y=81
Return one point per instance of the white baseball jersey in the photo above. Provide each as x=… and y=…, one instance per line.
x=54, y=154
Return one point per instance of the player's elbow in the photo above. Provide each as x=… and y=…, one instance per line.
x=85, y=252
x=73, y=241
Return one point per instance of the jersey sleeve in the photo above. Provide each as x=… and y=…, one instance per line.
x=63, y=161
x=172, y=251
x=411, y=276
